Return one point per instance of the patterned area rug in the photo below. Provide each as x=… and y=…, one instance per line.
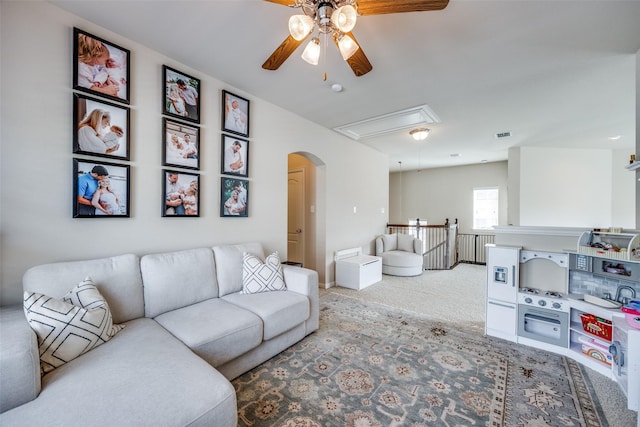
x=370, y=366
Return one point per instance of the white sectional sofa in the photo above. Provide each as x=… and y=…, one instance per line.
x=188, y=331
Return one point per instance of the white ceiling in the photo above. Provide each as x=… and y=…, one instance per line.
x=555, y=73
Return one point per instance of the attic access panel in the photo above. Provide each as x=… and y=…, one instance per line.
x=388, y=123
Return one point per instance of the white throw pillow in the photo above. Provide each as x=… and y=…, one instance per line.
x=405, y=242
x=258, y=276
x=69, y=327
x=389, y=242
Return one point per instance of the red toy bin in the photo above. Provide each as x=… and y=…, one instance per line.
x=596, y=326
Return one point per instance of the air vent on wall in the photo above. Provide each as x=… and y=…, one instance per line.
x=387, y=123
x=503, y=134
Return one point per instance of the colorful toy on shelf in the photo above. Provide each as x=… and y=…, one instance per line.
x=595, y=349
x=632, y=313
x=596, y=326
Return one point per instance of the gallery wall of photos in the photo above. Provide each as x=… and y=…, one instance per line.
x=101, y=127
x=102, y=130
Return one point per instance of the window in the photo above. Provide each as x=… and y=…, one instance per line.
x=485, y=207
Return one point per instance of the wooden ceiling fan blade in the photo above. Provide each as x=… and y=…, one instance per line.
x=282, y=2
x=281, y=53
x=382, y=7
x=358, y=62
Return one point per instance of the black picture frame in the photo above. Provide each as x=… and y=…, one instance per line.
x=100, y=72
x=180, y=140
x=229, y=208
x=88, y=176
x=182, y=191
x=234, y=156
x=180, y=91
x=88, y=135
x=237, y=124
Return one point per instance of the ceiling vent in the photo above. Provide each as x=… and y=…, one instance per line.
x=388, y=123
x=503, y=135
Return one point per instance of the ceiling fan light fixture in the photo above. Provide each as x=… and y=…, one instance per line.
x=300, y=26
x=344, y=18
x=311, y=53
x=347, y=46
x=420, y=134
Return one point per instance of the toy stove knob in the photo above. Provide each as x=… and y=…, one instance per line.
x=528, y=300
x=542, y=303
x=556, y=305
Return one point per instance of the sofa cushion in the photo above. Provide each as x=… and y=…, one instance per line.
x=279, y=310
x=405, y=242
x=401, y=259
x=229, y=265
x=71, y=327
x=258, y=276
x=214, y=329
x=143, y=376
x=174, y=280
x=389, y=242
x=117, y=278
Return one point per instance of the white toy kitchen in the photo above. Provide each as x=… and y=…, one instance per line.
x=582, y=303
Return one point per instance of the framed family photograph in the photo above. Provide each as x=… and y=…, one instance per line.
x=100, y=128
x=235, y=114
x=100, y=67
x=181, y=145
x=234, y=197
x=235, y=156
x=181, y=95
x=100, y=190
x=180, y=194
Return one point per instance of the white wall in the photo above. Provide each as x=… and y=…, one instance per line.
x=36, y=175
x=574, y=188
x=637, y=151
x=436, y=194
x=623, y=192
x=542, y=186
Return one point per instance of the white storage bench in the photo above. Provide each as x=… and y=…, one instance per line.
x=357, y=271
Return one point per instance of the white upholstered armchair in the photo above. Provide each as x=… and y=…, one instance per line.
x=401, y=254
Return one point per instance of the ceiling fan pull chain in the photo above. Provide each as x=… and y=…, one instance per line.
x=324, y=56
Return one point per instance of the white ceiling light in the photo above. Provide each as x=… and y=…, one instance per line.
x=347, y=46
x=335, y=18
x=420, y=134
x=344, y=18
x=300, y=26
x=311, y=53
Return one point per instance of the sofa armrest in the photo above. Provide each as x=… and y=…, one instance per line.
x=19, y=359
x=305, y=282
x=379, y=246
x=417, y=246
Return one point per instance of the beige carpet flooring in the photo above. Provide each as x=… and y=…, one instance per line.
x=458, y=296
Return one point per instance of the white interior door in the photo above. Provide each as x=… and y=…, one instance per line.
x=295, y=221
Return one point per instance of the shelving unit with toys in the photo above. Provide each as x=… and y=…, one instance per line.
x=605, y=244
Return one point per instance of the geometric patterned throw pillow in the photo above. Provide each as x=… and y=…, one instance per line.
x=69, y=327
x=258, y=276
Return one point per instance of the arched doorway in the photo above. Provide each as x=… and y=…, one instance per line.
x=306, y=213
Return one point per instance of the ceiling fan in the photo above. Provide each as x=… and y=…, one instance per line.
x=336, y=19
